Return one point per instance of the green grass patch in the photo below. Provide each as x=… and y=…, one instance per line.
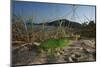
x=54, y=43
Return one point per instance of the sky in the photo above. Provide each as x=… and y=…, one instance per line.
x=44, y=12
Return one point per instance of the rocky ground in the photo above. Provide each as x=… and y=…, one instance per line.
x=78, y=51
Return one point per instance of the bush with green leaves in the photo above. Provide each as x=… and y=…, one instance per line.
x=50, y=46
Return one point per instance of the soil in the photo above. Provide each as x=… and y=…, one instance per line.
x=78, y=51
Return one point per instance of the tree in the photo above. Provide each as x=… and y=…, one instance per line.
x=89, y=30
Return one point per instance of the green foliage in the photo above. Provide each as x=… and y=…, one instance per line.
x=89, y=30
x=54, y=43
x=52, y=46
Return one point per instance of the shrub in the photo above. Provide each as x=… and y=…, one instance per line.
x=51, y=45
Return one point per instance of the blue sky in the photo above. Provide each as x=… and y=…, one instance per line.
x=44, y=12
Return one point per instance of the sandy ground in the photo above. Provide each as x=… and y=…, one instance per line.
x=78, y=51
